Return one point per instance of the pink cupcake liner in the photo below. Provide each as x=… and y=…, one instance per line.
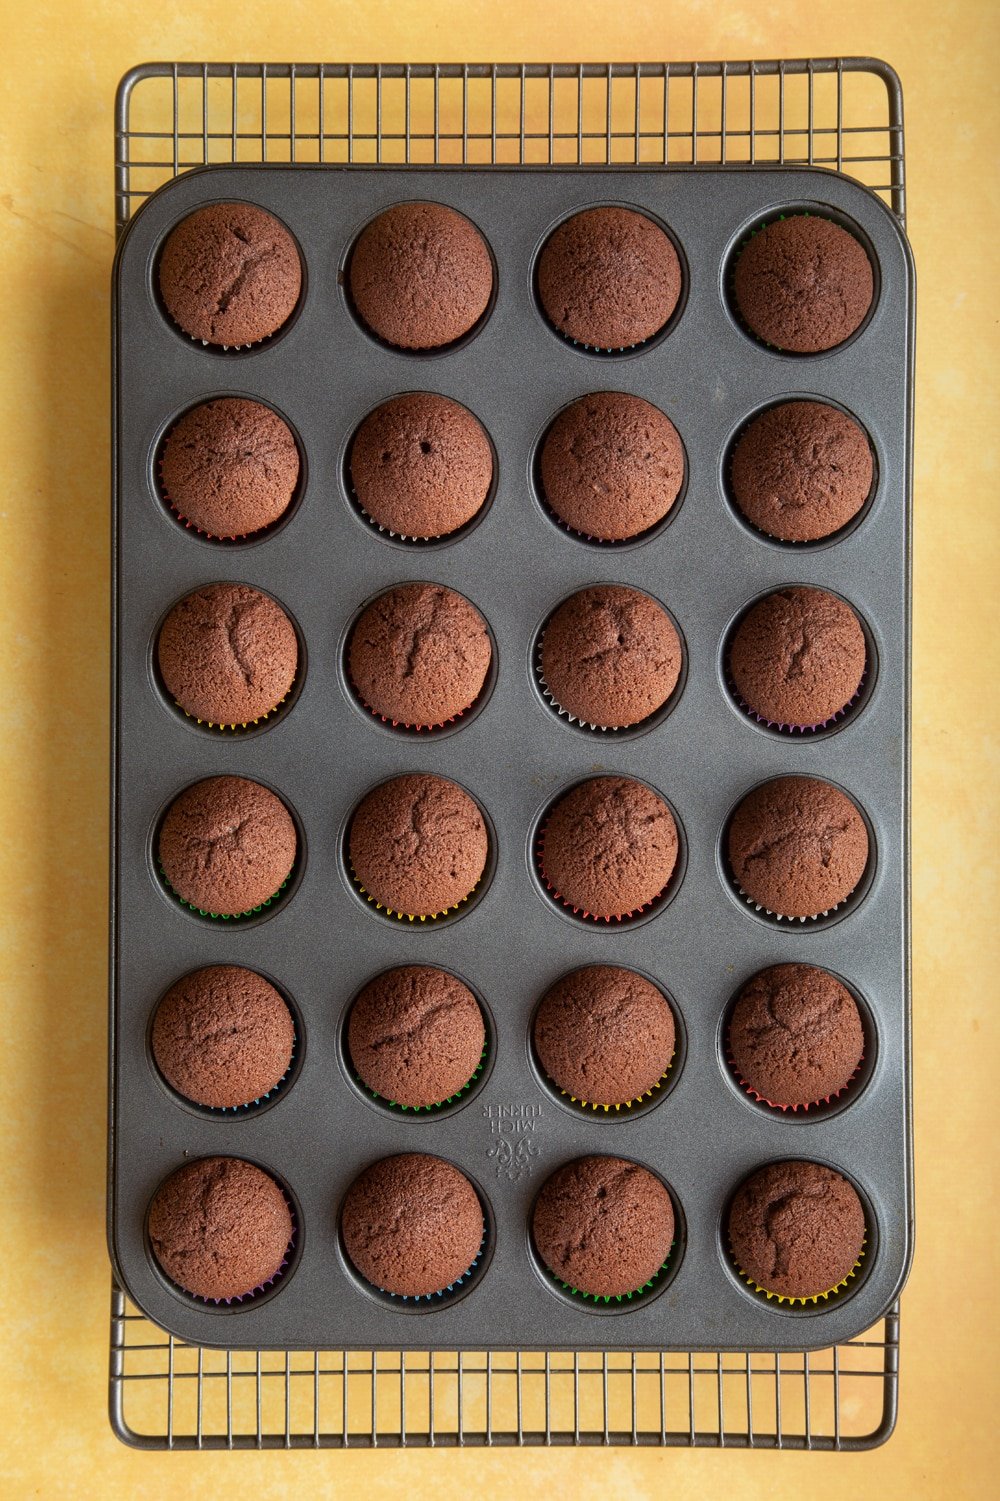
x=405, y=724
x=792, y=729
x=595, y=917
x=254, y=1292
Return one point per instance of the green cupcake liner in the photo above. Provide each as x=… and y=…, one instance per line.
x=606, y=1298
x=225, y=916
x=438, y=1106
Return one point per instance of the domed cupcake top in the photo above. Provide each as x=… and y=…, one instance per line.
x=801, y=471
x=797, y=657
x=416, y=1035
x=223, y=1037
x=412, y=1225
x=797, y=846
x=421, y=466
x=418, y=845
x=227, y=845
x=420, y=275
x=220, y=1228
x=611, y=466
x=229, y=467
x=228, y=654
x=608, y=847
x=795, y=1035
x=604, y=1035
x=230, y=274
x=610, y=656
x=603, y=1226
x=803, y=284
x=796, y=1229
x=609, y=278
x=419, y=655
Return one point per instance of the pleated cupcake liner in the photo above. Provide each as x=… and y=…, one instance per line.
x=413, y=728
x=192, y=526
x=410, y=916
x=242, y=726
x=581, y=912
x=784, y=916
x=441, y=1293
x=242, y=1300
x=799, y=354
x=637, y=1294
x=838, y=1289
x=593, y=541
x=575, y=719
x=387, y=531
x=438, y=1106
x=229, y=1112
x=627, y=1105
x=224, y=916
x=803, y=1105
x=780, y=726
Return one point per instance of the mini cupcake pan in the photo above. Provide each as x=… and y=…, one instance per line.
x=701, y=1133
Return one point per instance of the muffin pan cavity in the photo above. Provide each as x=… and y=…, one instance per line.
x=500, y=929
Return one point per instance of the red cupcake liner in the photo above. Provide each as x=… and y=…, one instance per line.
x=192, y=526
x=404, y=724
x=581, y=912
x=792, y=729
x=804, y=1106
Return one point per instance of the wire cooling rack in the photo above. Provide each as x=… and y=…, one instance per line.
x=840, y=113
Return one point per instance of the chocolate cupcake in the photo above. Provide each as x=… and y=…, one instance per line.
x=419, y=655
x=220, y=1228
x=608, y=848
x=796, y=1231
x=421, y=466
x=603, y=1227
x=230, y=274
x=227, y=846
x=611, y=466
x=228, y=655
x=795, y=1037
x=413, y=1225
x=609, y=657
x=229, y=468
x=609, y=278
x=797, y=659
x=801, y=471
x=417, y=846
x=803, y=284
x=604, y=1036
x=420, y=276
x=223, y=1037
x=416, y=1036
x=797, y=847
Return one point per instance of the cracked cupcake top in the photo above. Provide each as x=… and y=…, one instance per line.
x=801, y=471
x=420, y=275
x=604, y=1035
x=228, y=654
x=412, y=1225
x=610, y=656
x=798, y=657
x=223, y=1036
x=416, y=1035
x=419, y=654
x=797, y=846
x=227, y=845
x=220, y=1227
x=796, y=1229
x=609, y=277
x=603, y=1225
x=795, y=1035
x=230, y=274
x=803, y=284
x=229, y=467
x=611, y=466
x=421, y=465
x=418, y=845
x=608, y=847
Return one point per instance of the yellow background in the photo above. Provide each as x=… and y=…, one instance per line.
x=62, y=61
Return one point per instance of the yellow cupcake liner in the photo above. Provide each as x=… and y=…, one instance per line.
x=813, y=1298
x=411, y=916
x=240, y=724
x=647, y=1094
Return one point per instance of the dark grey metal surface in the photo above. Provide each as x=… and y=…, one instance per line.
x=324, y=375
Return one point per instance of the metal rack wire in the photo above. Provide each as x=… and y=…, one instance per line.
x=839, y=113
